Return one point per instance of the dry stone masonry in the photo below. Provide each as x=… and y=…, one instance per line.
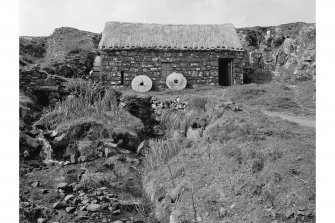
x=204, y=54
x=46, y=88
x=119, y=67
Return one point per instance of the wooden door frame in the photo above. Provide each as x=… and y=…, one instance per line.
x=230, y=59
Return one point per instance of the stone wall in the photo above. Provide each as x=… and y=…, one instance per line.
x=95, y=74
x=198, y=67
x=44, y=88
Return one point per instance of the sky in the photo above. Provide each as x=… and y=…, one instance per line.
x=41, y=17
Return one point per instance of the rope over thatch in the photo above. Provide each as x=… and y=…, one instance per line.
x=182, y=37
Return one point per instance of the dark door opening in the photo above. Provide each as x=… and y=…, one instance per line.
x=225, y=72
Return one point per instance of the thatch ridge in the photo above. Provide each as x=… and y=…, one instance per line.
x=141, y=35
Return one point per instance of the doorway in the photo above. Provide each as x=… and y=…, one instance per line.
x=225, y=71
x=166, y=69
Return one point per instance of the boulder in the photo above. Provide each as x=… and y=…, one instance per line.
x=86, y=201
x=93, y=207
x=61, y=140
x=66, y=163
x=44, y=191
x=106, y=152
x=35, y=184
x=112, y=145
x=287, y=45
x=117, y=212
x=68, y=197
x=34, y=132
x=32, y=145
x=41, y=220
x=76, y=201
x=65, y=188
x=58, y=205
x=73, y=158
x=80, y=218
x=53, y=133
x=142, y=147
x=62, y=185
x=82, y=158
x=70, y=209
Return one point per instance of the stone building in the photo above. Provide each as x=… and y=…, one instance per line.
x=204, y=54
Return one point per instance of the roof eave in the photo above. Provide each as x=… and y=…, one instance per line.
x=222, y=49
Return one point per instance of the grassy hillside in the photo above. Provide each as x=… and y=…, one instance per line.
x=238, y=166
x=67, y=52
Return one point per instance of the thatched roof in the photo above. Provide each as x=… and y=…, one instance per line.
x=118, y=35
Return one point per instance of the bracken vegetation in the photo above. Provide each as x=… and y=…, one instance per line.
x=88, y=101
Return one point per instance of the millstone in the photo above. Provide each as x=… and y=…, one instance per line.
x=176, y=81
x=141, y=83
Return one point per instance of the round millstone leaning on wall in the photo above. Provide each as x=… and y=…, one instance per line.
x=141, y=83
x=176, y=81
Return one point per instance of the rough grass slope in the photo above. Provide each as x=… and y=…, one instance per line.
x=254, y=167
x=92, y=114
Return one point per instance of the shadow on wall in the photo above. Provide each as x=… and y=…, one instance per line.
x=252, y=75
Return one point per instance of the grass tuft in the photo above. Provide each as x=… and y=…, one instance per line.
x=160, y=152
x=92, y=113
x=24, y=101
x=96, y=180
x=86, y=101
x=197, y=104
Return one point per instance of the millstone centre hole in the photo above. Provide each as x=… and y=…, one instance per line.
x=175, y=81
x=141, y=84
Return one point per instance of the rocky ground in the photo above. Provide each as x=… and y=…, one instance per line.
x=287, y=50
x=92, y=154
x=82, y=169
x=94, y=179
x=108, y=189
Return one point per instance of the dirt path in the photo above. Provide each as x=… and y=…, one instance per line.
x=297, y=119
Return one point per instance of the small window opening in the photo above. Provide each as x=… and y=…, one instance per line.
x=122, y=77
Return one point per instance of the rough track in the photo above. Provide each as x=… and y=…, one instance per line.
x=304, y=121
